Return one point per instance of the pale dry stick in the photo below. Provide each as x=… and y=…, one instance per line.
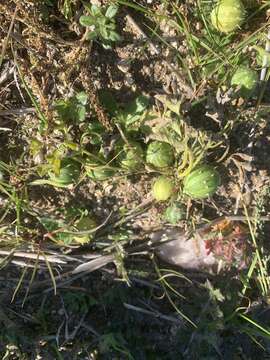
x=6, y=73
x=70, y=337
x=155, y=314
x=265, y=58
x=5, y=44
x=142, y=33
x=17, y=112
x=21, y=263
x=90, y=329
x=20, y=254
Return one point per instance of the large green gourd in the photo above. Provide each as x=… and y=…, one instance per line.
x=228, y=15
x=201, y=182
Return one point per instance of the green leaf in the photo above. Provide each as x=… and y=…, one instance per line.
x=134, y=110
x=82, y=97
x=50, y=224
x=47, y=182
x=263, y=56
x=138, y=106
x=114, y=36
x=72, y=109
x=87, y=20
x=104, y=32
x=91, y=35
x=215, y=294
x=111, y=11
x=96, y=10
x=67, y=9
x=108, y=101
x=80, y=113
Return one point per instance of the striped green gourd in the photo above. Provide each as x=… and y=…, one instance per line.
x=201, y=182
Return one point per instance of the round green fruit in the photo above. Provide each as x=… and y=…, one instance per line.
x=162, y=188
x=69, y=173
x=228, y=15
x=246, y=79
x=174, y=213
x=130, y=156
x=160, y=154
x=201, y=182
x=99, y=172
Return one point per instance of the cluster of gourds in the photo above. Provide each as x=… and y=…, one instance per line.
x=202, y=182
x=227, y=16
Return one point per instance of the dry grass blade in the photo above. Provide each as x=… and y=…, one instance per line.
x=51, y=273
x=4, y=48
x=155, y=314
x=34, y=256
x=19, y=283
x=95, y=264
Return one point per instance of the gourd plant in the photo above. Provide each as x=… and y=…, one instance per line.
x=77, y=228
x=101, y=24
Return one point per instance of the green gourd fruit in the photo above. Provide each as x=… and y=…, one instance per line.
x=160, y=154
x=99, y=172
x=131, y=155
x=228, y=15
x=201, y=182
x=162, y=188
x=246, y=79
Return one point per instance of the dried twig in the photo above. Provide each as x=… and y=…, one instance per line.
x=265, y=58
x=155, y=314
x=4, y=48
x=34, y=256
x=17, y=112
x=142, y=33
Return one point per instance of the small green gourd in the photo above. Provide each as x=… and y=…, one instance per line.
x=162, y=188
x=98, y=172
x=246, y=79
x=131, y=156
